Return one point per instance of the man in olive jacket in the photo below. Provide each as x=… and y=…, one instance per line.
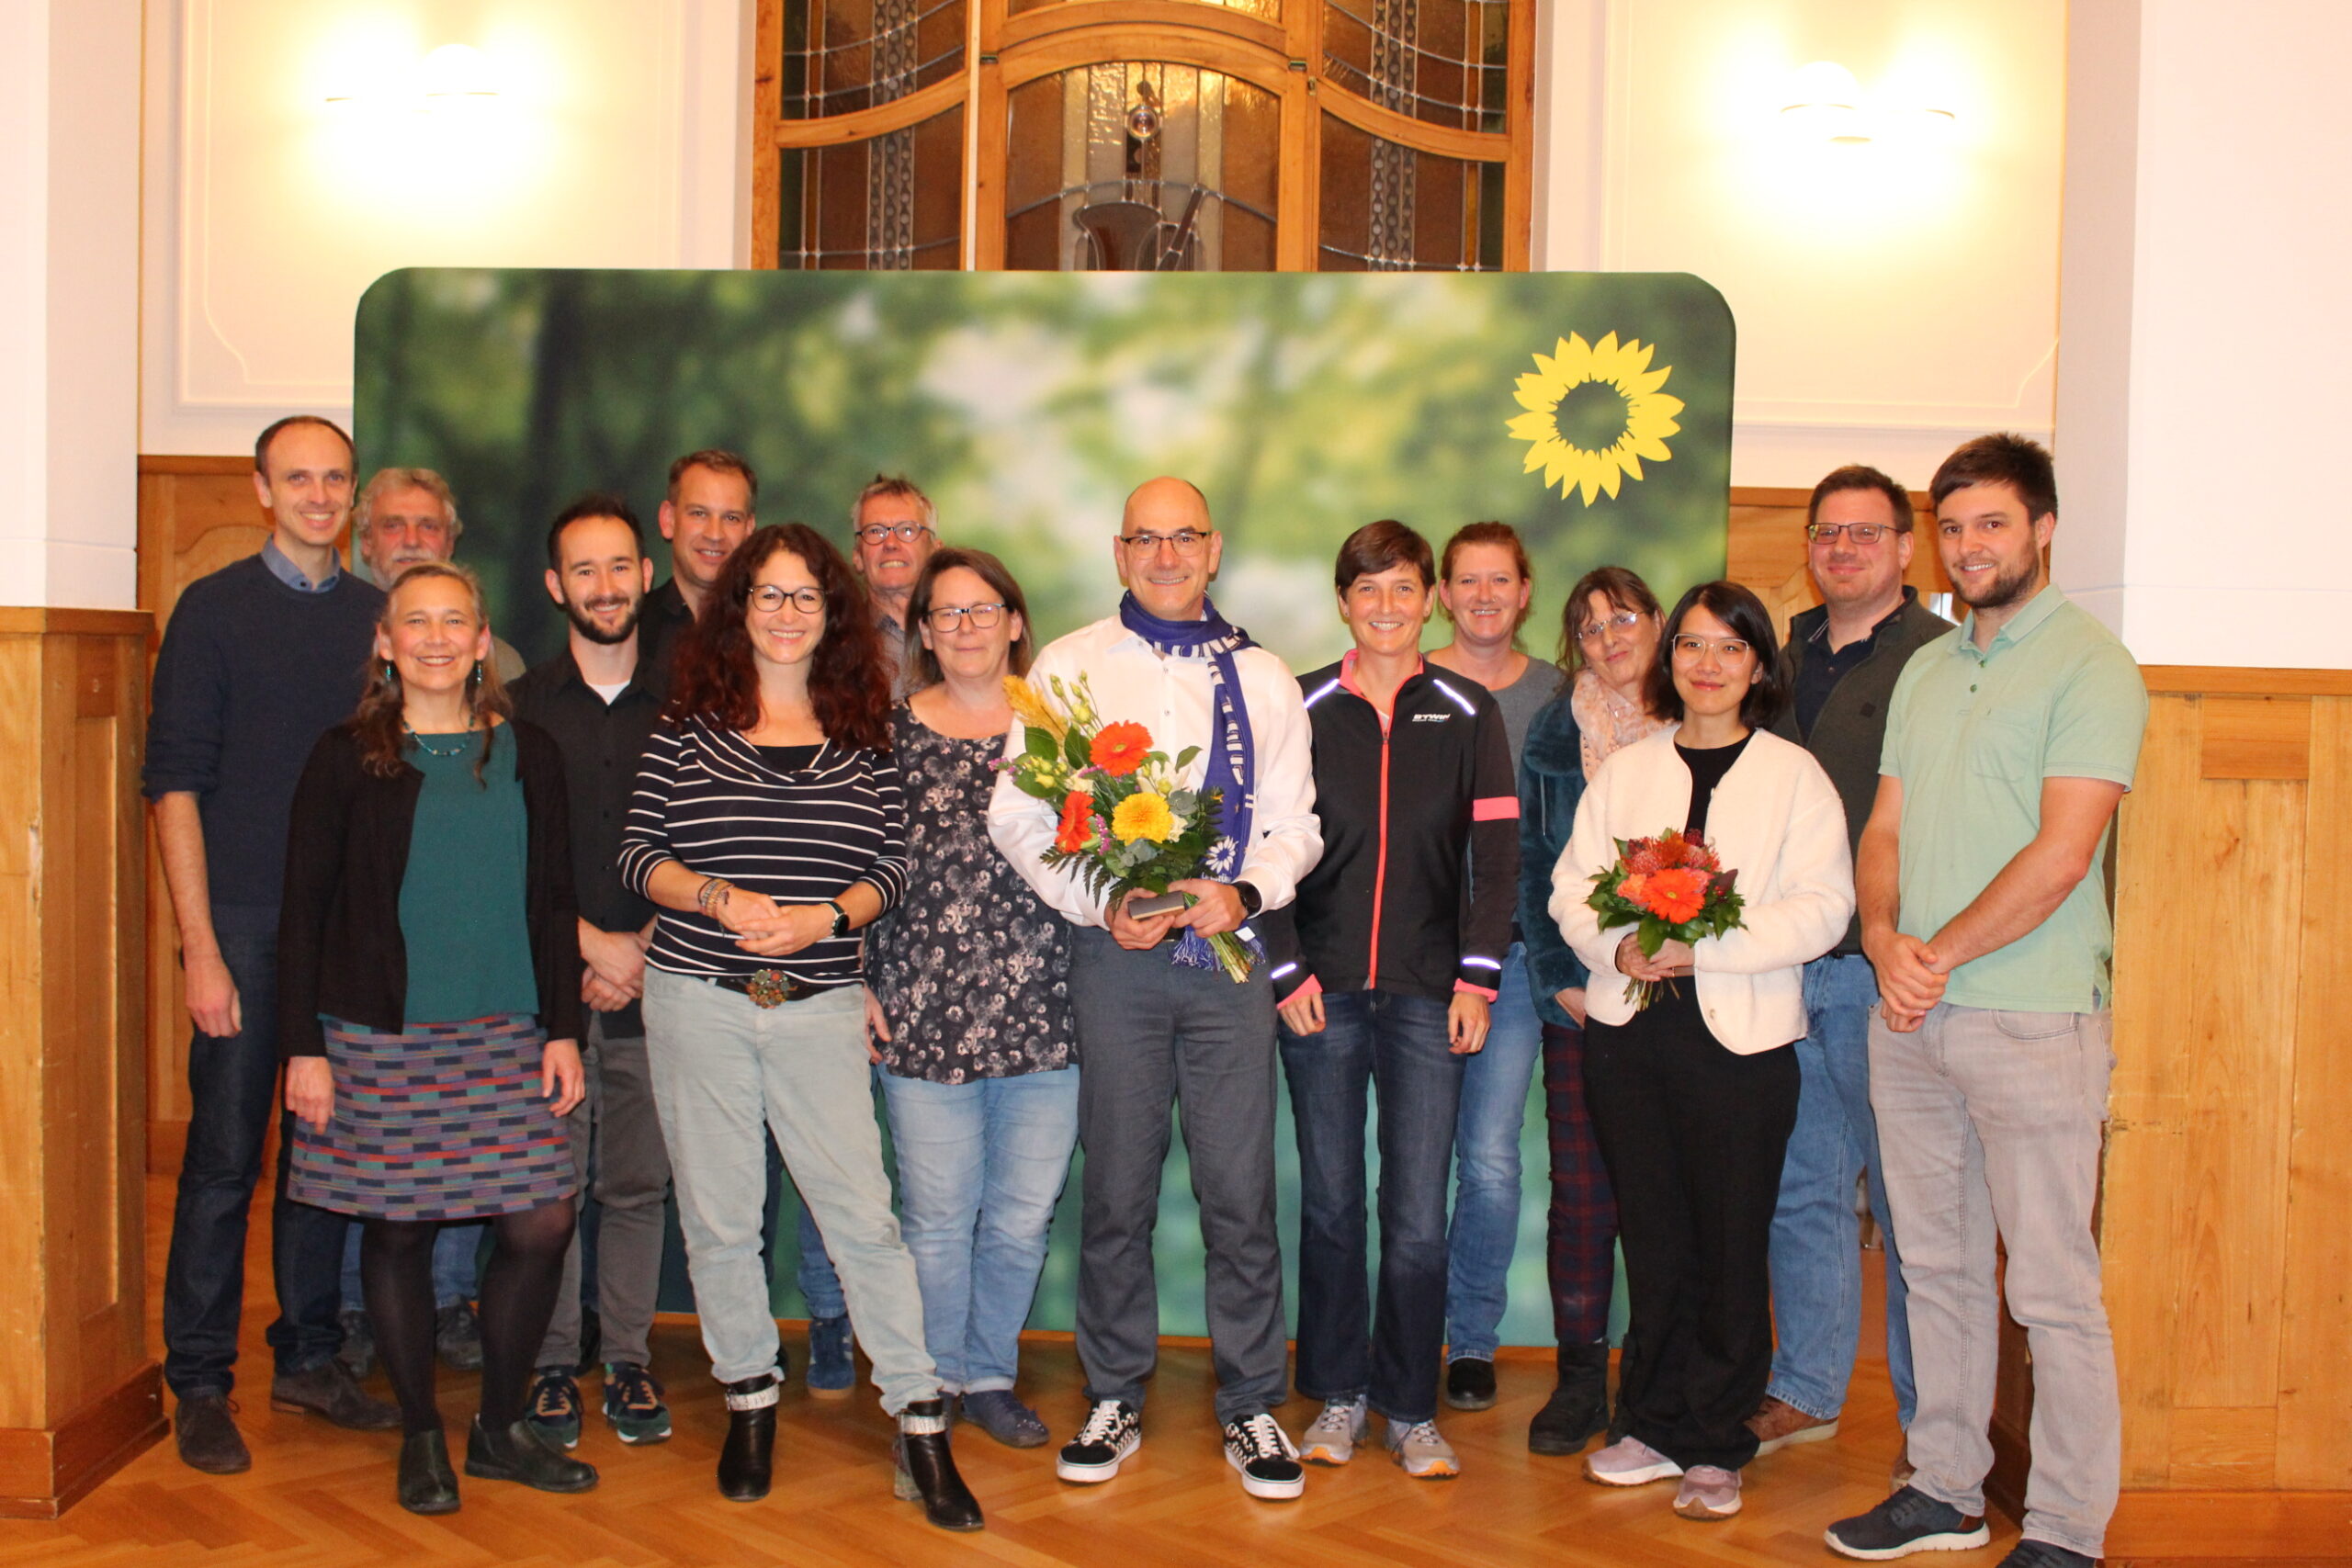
x=1840, y=663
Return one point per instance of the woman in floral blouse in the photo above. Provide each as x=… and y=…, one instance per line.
x=969, y=975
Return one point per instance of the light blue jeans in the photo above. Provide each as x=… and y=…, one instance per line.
x=720, y=1066
x=1990, y=1126
x=1816, y=1235
x=981, y=1166
x=1487, y=1191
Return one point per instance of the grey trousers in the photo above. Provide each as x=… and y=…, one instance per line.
x=1989, y=1125
x=1153, y=1035
x=616, y=1140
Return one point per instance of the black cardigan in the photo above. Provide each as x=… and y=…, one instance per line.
x=339, y=947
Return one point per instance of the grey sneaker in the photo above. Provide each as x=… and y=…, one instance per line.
x=1424, y=1454
x=1708, y=1491
x=1331, y=1437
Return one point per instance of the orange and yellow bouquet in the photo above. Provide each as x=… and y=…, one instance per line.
x=1672, y=889
x=1124, y=821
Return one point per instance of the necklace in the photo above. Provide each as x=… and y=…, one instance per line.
x=432, y=750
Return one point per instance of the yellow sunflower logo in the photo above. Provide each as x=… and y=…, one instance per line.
x=1594, y=411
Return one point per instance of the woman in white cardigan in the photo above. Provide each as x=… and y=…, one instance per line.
x=1692, y=1099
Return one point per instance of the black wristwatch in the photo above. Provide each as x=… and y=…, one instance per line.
x=840, y=917
x=1253, y=901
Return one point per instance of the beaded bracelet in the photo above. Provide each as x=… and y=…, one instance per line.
x=714, y=890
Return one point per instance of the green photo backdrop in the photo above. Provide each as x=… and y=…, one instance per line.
x=1591, y=410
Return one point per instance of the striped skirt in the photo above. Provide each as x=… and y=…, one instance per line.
x=442, y=1122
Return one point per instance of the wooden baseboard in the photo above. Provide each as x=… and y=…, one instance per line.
x=42, y=1473
x=2300, y=1526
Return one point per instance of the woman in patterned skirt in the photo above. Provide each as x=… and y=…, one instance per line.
x=970, y=973
x=429, y=1007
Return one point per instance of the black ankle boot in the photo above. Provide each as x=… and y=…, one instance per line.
x=519, y=1453
x=747, y=1461
x=927, y=1471
x=428, y=1483
x=1579, y=1406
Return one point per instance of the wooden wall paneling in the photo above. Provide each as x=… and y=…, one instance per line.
x=78, y=1393
x=22, y=1065
x=2314, y=1440
x=2243, y=924
x=2147, y=1100
x=1519, y=172
x=2257, y=738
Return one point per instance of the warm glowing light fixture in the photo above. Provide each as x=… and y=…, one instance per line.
x=454, y=74
x=1824, y=103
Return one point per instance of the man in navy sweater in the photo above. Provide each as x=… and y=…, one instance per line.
x=258, y=660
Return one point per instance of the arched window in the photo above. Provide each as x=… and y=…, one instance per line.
x=1153, y=135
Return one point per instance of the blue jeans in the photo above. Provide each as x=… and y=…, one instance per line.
x=981, y=1166
x=1816, y=1236
x=1487, y=1191
x=232, y=1095
x=722, y=1066
x=455, y=1278
x=1399, y=1043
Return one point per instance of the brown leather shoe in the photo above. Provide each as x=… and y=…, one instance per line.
x=207, y=1437
x=328, y=1390
x=1777, y=1423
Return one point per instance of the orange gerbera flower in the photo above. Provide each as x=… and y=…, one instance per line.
x=1118, y=749
x=1078, y=822
x=1675, y=894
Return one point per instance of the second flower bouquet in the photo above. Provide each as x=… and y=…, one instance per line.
x=1125, y=823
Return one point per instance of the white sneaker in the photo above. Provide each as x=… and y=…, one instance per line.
x=1424, y=1454
x=1112, y=1430
x=1258, y=1447
x=1333, y=1437
x=1629, y=1461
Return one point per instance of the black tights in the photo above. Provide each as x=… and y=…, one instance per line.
x=518, y=1291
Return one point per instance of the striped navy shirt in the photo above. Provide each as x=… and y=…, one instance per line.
x=707, y=800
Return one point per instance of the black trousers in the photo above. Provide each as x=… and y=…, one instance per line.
x=1694, y=1136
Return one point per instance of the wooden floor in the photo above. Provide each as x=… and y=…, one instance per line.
x=319, y=1496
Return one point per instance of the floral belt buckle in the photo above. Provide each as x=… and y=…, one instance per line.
x=771, y=989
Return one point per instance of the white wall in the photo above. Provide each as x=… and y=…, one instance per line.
x=616, y=142
x=1892, y=299
x=69, y=352
x=2209, y=324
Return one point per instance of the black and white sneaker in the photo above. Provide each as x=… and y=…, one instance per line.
x=1907, y=1522
x=1114, y=1429
x=1267, y=1459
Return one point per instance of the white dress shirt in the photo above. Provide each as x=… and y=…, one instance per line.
x=1173, y=699
x=1777, y=820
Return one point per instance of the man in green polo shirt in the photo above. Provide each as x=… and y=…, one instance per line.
x=2009, y=743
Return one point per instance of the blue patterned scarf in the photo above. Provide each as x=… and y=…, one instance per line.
x=1232, y=753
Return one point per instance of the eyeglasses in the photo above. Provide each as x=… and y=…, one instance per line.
x=1729, y=649
x=947, y=617
x=1860, y=533
x=875, y=533
x=1188, y=541
x=768, y=599
x=1623, y=621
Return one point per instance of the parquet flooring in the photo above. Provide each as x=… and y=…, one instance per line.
x=317, y=1497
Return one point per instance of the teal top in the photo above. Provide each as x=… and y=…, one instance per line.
x=1972, y=734
x=462, y=915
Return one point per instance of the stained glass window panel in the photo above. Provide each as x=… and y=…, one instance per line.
x=892, y=203
x=1387, y=208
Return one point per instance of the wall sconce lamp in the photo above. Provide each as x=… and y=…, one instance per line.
x=455, y=74
x=1824, y=103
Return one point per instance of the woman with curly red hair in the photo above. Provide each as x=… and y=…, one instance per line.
x=769, y=825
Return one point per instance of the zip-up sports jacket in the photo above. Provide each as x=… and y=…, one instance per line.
x=1419, y=877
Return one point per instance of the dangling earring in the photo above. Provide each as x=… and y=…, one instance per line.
x=390, y=678
x=474, y=677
